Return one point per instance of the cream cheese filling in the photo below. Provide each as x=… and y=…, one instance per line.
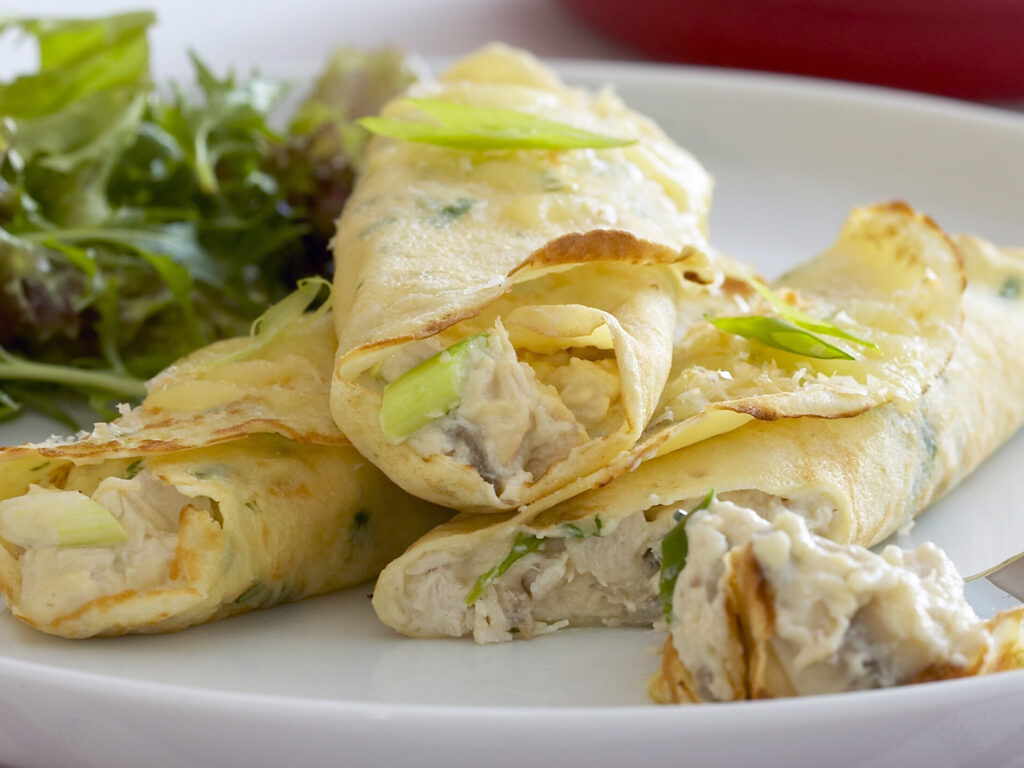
x=56, y=580
x=844, y=618
x=580, y=574
x=516, y=418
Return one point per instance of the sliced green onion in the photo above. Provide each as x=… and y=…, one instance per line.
x=428, y=391
x=802, y=319
x=674, y=549
x=779, y=334
x=461, y=126
x=524, y=544
x=280, y=316
x=573, y=531
x=1010, y=288
x=61, y=518
x=291, y=307
x=254, y=589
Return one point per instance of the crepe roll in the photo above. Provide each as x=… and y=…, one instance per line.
x=597, y=558
x=228, y=489
x=769, y=610
x=491, y=362
x=873, y=319
x=506, y=317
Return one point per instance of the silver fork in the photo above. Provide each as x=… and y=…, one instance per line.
x=1007, y=575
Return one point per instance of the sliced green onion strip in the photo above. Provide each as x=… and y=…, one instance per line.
x=573, y=531
x=674, y=549
x=428, y=391
x=461, y=126
x=773, y=332
x=802, y=319
x=61, y=518
x=524, y=544
x=280, y=316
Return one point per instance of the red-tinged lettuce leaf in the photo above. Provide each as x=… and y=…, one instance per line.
x=38, y=292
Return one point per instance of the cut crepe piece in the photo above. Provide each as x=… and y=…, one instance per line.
x=767, y=610
x=229, y=488
x=572, y=264
x=892, y=280
x=891, y=283
x=855, y=480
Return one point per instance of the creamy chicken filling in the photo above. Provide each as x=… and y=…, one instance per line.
x=516, y=417
x=712, y=367
x=848, y=619
x=844, y=618
x=592, y=571
x=57, y=580
x=587, y=572
x=702, y=630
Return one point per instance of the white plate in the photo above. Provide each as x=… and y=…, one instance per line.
x=322, y=683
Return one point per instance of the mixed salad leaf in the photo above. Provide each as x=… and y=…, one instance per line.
x=140, y=222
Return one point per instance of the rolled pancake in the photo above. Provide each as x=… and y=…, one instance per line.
x=596, y=557
x=892, y=278
x=590, y=305
x=766, y=610
x=573, y=263
x=234, y=487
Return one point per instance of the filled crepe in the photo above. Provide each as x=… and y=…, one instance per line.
x=597, y=558
x=229, y=488
x=519, y=325
x=765, y=610
x=506, y=316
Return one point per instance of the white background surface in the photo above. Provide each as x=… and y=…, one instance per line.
x=296, y=32
x=246, y=32
x=321, y=683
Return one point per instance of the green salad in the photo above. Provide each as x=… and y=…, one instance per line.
x=141, y=220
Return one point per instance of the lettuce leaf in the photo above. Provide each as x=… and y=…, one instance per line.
x=138, y=223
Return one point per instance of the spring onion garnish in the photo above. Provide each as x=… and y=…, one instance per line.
x=773, y=332
x=674, y=549
x=428, y=391
x=254, y=589
x=802, y=319
x=461, y=126
x=524, y=544
x=573, y=531
x=61, y=518
x=1011, y=288
x=281, y=315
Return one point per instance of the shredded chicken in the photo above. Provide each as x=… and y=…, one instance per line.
x=509, y=426
x=829, y=617
x=610, y=577
x=588, y=388
x=847, y=619
x=57, y=580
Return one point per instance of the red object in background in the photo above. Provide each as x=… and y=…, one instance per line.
x=967, y=48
